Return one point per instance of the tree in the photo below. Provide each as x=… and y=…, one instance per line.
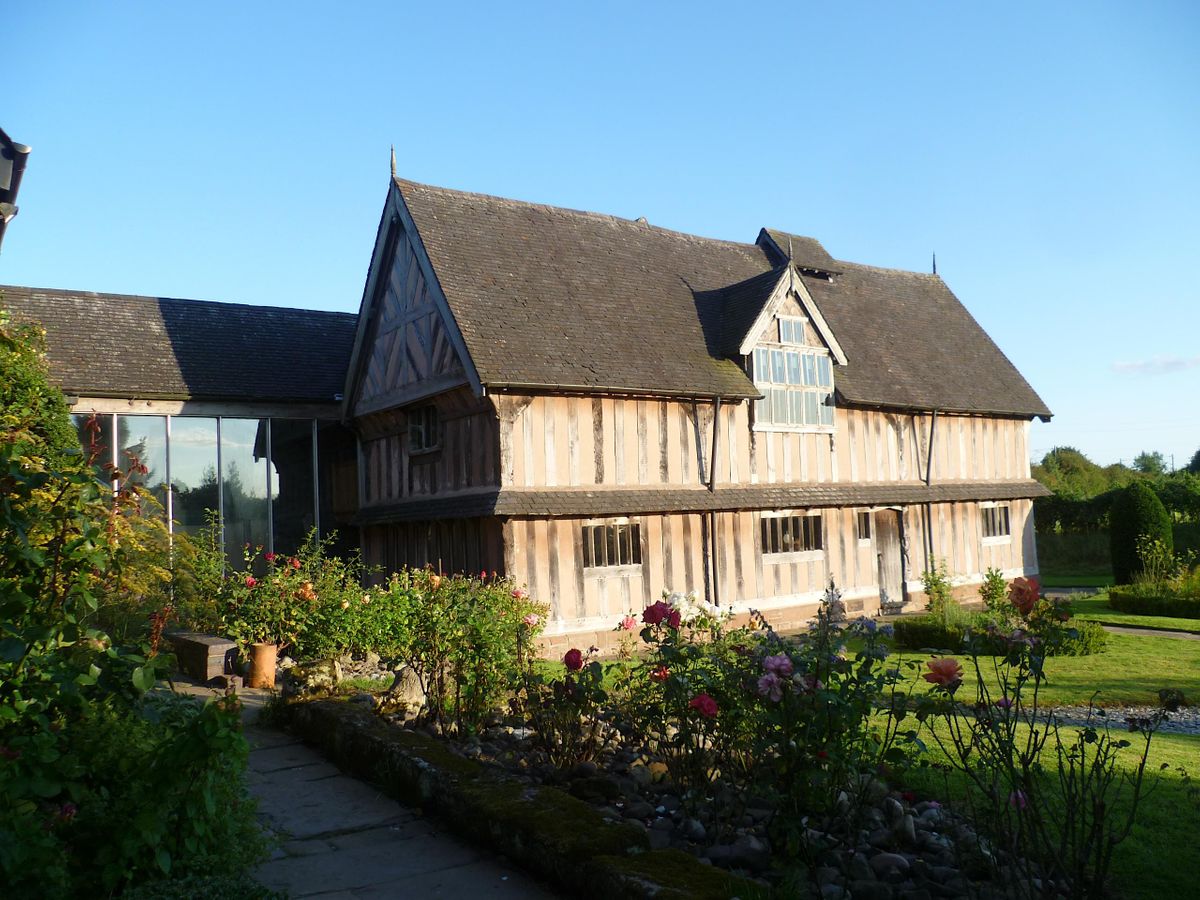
x=1194, y=465
x=1150, y=463
x=1136, y=513
x=26, y=391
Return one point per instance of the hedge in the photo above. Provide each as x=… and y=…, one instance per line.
x=1127, y=601
x=929, y=633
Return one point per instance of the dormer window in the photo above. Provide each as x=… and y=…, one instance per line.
x=796, y=381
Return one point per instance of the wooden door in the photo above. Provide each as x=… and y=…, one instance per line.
x=889, y=554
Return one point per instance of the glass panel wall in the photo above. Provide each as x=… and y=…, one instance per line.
x=293, y=511
x=244, y=486
x=259, y=475
x=193, y=471
x=143, y=441
x=96, y=439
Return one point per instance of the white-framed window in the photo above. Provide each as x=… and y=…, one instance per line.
x=797, y=385
x=863, y=521
x=791, y=537
x=424, y=432
x=611, y=545
x=997, y=524
x=791, y=330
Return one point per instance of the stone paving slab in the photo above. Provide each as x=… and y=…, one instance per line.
x=343, y=839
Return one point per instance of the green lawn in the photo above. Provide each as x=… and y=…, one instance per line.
x=1129, y=672
x=1161, y=855
x=1096, y=609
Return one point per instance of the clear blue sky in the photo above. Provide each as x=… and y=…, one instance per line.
x=1048, y=152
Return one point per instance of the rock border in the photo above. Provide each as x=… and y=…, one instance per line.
x=543, y=829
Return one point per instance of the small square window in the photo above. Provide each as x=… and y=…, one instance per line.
x=864, y=527
x=423, y=430
x=996, y=524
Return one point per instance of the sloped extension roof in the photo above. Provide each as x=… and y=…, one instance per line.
x=562, y=299
x=556, y=298
x=117, y=345
x=517, y=502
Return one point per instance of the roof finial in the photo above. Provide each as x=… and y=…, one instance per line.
x=789, y=248
x=393, y=160
x=935, y=262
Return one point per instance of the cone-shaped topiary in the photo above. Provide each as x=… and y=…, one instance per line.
x=1136, y=511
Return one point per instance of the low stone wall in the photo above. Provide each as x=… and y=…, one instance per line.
x=543, y=829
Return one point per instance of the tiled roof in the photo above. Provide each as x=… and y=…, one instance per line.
x=521, y=503
x=116, y=345
x=561, y=299
x=564, y=299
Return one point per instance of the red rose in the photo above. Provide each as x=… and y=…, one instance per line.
x=573, y=660
x=660, y=674
x=269, y=557
x=705, y=705
x=295, y=563
x=656, y=613
x=251, y=581
x=675, y=619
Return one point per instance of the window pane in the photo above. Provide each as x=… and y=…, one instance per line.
x=635, y=536
x=825, y=403
x=778, y=369
x=817, y=538
x=96, y=439
x=612, y=554
x=778, y=406
x=810, y=369
x=810, y=408
x=337, y=456
x=761, y=361
x=824, y=371
x=244, y=485
x=793, y=368
x=143, y=440
x=795, y=408
x=193, y=471
x=291, y=470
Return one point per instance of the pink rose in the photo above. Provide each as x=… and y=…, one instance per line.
x=628, y=623
x=251, y=581
x=705, y=705
x=573, y=660
x=771, y=687
x=780, y=664
x=519, y=594
x=269, y=557
x=532, y=619
x=945, y=672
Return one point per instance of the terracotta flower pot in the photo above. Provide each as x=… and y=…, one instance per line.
x=262, y=666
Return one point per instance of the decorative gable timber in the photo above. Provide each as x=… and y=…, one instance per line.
x=790, y=284
x=408, y=346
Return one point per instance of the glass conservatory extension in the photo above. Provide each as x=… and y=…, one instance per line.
x=270, y=481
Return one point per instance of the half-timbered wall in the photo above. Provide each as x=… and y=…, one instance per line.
x=450, y=545
x=465, y=458
x=546, y=555
x=560, y=441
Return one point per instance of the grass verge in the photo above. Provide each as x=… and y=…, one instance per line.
x=1160, y=856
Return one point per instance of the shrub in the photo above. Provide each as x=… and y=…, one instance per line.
x=1139, y=604
x=1136, y=512
x=939, y=595
x=994, y=593
x=1077, y=638
x=467, y=639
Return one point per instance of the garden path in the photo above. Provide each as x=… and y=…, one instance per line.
x=1151, y=632
x=340, y=838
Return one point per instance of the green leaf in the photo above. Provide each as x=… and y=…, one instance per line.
x=143, y=680
x=12, y=649
x=163, y=857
